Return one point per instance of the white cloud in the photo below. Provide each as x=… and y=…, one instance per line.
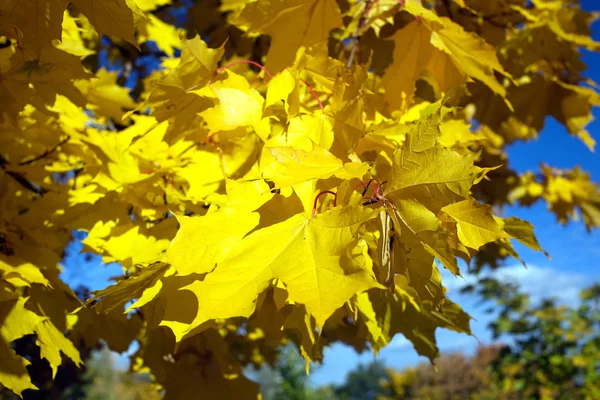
x=399, y=342
x=541, y=282
x=538, y=282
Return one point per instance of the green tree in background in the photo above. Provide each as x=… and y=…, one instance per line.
x=365, y=382
x=550, y=352
x=454, y=377
x=288, y=380
x=107, y=382
x=553, y=350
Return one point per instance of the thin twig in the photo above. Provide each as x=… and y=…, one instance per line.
x=355, y=37
x=20, y=179
x=314, y=94
x=266, y=71
x=46, y=153
x=314, y=210
x=27, y=184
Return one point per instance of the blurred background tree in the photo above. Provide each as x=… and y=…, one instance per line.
x=553, y=350
x=106, y=382
x=455, y=376
x=288, y=379
x=365, y=382
x=545, y=351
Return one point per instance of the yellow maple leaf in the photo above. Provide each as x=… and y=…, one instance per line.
x=440, y=49
x=112, y=17
x=289, y=251
x=150, y=5
x=166, y=36
x=39, y=21
x=52, y=342
x=132, y=247
x=38, y=81
x=292, y=166
x=13, y=373
x=19, y=272
x=523, y=232
x=115, y=296
x=175, y=96
x=475, y=223
x=283, y=88
x=238, y=105
x=105, y=96
x=204, y=241
x=18, y=321
x=431, y=175
x=291, y=25
x=71, y=40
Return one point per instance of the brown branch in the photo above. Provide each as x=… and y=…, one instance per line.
x=448, y=8
x=20, y=179
x=27, y=184
x=46, y=153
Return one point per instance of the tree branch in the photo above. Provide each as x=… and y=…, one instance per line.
x=46, y=153
x=448, y=8
x=26, y=183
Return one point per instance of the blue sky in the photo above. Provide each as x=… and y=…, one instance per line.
x=574, y=251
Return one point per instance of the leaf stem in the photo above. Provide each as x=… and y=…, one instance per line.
x=314, y=210
x=46, y=153
x=314, y=94
x=366, y=186
x=266, y=71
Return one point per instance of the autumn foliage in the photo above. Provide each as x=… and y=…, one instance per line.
x=294, y=171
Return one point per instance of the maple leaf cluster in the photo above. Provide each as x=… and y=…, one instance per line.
x=301, y=174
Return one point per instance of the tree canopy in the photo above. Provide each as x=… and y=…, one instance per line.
x=271, y=171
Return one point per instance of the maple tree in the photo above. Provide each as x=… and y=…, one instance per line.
x=292, y=171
